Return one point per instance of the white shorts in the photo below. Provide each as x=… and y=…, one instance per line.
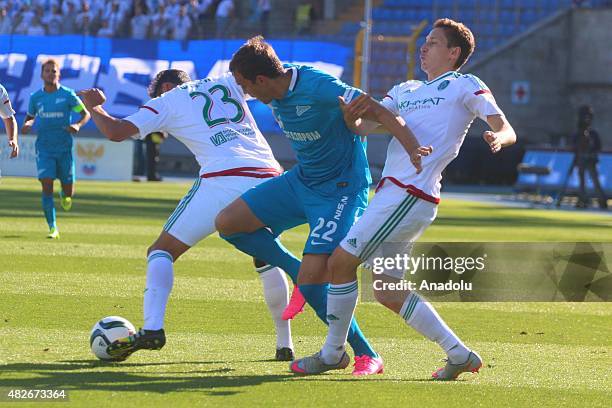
x=393, y=220
x=194, y=216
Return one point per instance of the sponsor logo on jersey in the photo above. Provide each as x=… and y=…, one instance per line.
x=443, y=85
x=51, y=115
x=426, y=103
x=300, y=110
x=340, y=208
x=223, y=137
x=303, y=136
x=60, y=100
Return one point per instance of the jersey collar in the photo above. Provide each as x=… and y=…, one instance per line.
x=446, y=74
x=294, y=78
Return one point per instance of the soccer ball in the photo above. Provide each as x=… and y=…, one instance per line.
x=107, y=331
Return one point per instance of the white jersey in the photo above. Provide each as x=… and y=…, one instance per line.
x=211, y=117
x=439, y=113
x=6, y=110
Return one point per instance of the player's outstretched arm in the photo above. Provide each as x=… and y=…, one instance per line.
x=11, y=131
x=112, y=128
x=354, y=117
x=502, y=134
x=365, y=107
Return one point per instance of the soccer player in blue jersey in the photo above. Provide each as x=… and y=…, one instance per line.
x=328, y=188
x=52, y=106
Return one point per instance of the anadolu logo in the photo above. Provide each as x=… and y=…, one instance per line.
x=89, y=154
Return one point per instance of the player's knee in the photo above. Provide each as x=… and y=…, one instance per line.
x=223, y=223
x=342, y=265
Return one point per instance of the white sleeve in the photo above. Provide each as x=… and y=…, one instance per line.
x=151, y=117
x=478, y=99
x=390, y=100
x=6, y=110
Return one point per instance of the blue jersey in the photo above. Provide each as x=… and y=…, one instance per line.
x=310, y=116
x=52, y=110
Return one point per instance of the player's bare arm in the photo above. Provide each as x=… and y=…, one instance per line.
x=27, y=124
x=502, y=134
x=11, y=131
x=75, y=127
x=112, y=128
x=365, y=107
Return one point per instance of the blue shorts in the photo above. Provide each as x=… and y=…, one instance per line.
x=55, y=165
x=285, y=202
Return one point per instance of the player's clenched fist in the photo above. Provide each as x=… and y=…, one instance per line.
x=492, y=140
x=92, y=97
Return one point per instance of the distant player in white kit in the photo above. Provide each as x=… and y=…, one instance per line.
x=439, y=112
x=212, y=119
x=10, y=124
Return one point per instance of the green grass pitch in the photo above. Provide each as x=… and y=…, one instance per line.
x=220, y=336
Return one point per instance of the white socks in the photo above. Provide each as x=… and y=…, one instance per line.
x=420, y=315
x=276, y=294
x=160, y=277
x=341, y=303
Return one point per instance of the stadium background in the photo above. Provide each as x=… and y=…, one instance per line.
x=220, y=336
x=542, y=59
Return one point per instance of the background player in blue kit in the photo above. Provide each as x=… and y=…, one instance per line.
x=52, y=106
x=328, y=188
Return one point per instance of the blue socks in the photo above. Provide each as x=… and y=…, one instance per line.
x=316, y=296
x=49, y=209
x=262, y=245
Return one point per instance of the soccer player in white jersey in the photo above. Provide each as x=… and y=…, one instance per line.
x=10, y=124
x=212, y=119
x=439, y=112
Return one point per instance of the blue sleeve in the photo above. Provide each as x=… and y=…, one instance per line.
x=329, y=88
x=75, y=102
x=31, y=106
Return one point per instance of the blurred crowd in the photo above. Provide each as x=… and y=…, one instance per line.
x=140, y=19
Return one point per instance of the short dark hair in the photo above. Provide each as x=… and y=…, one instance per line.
x=457, y=35
x=256, y=57
x=174, y=76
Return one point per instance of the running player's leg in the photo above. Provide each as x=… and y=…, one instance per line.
x=273, y=279
x=46, y=168
x=253, y=222
x=330, y=220
x=276, y=296
x=161, y=256
x=271, y=204
x=65, y=174
x=392, y=219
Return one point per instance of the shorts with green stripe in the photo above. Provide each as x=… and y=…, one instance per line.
x=193, y=219
x=393, y=220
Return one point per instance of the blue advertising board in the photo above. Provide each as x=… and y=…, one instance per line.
x=124, y=67
x=559, y=162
